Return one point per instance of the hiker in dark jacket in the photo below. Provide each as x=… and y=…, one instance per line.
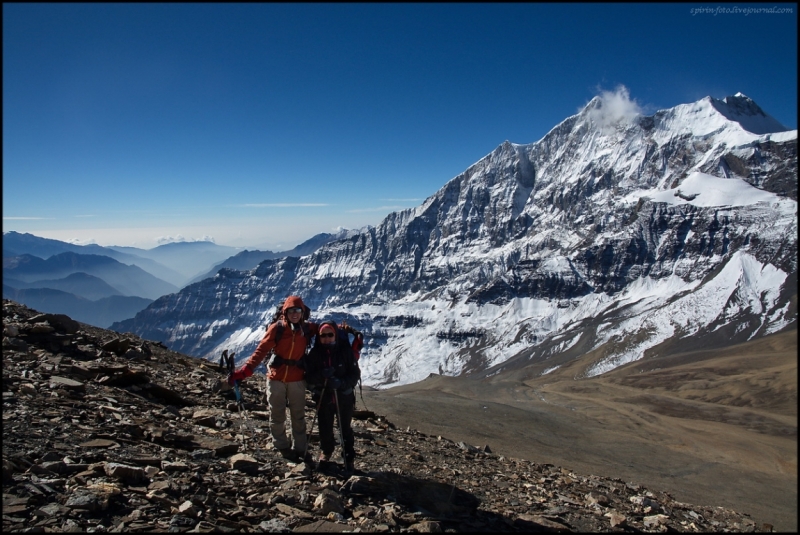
x=331, y=373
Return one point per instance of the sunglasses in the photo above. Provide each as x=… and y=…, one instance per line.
x=329, y=335
x=295, y=310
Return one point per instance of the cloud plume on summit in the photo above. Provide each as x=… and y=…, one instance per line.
x=614, y=108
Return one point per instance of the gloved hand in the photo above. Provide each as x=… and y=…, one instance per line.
x=334, y=383
x=275, y=361
x=327, y=373
x=242, y=373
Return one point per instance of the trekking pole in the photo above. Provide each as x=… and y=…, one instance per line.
x=362, y=396
x=223, y=361
x=314, y=420
x=339, y=419
x=230, y=363
x=239, y=402
x=231, y=368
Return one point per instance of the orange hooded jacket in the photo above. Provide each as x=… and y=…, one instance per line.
x=291, y=346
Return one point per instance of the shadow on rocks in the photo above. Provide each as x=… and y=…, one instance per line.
x=431, y=497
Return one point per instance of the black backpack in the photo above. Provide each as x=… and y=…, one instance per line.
x=343, y=337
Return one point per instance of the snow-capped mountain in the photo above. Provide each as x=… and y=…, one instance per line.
x=616, y=237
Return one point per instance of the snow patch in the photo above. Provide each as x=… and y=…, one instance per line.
x=701, y=189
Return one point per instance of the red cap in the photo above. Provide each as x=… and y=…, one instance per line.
x=327, y=327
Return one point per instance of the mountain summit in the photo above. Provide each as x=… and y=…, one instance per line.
x=616, y=237
x=743, y=110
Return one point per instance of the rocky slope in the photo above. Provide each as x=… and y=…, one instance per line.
x=109, y=432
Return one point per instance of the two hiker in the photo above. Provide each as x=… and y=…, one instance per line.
x=288, y=339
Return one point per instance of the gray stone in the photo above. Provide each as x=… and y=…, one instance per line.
x=125, y=472
x=85, y=501
x=274, y=525
x=328, y=501
x=540, y=523
x=69, y=384
x=427, y=526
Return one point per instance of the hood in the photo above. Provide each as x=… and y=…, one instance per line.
x=293, y=301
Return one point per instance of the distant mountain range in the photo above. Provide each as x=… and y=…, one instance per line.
x=125, y=279
x=99, y=312
x=614, y=238
x=15, y=243
x=188, y=259
x=79, y=283
x=102, y=285
x=249, y=259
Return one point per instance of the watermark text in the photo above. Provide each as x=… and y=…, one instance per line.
x=736, y=10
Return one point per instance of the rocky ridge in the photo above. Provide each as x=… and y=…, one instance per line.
x=109, y=432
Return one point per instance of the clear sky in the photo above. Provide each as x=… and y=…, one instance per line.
x=261, y=125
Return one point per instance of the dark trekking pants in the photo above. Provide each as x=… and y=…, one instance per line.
x=328, y=433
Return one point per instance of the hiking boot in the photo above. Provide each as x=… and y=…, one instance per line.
x=288, y=454
x=350, y=466
x=323, y=460
x=303, y=457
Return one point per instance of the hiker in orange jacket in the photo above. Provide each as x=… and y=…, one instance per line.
x=286, y=384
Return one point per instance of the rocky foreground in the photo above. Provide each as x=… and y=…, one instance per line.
x=108, y=432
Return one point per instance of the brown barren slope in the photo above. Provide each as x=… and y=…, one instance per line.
x=715, y=427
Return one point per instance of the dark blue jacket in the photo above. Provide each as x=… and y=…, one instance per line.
x=338, y=356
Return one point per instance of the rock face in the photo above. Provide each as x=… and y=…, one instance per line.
x=108, y=432
x=670, y=228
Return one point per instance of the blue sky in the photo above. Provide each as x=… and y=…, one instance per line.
x=261, y=125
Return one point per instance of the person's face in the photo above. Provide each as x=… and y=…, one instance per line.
x=327, y=337
x=294, y=315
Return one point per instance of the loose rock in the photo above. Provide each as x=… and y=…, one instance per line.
x=105, y=431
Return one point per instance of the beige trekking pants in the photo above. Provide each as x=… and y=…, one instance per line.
x=279, y=396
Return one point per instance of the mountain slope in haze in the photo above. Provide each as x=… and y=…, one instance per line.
x=101, y=312
x=128, y=280
x=78, y=283
x=250, y=259
x=16, y=244
x=94, y=289
x=189, y=259
x=614, y=238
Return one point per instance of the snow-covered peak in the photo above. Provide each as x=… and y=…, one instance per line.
x=710, y=115
x=741, y=109
x=602, y=243
x=345, y=233
x=735, y=120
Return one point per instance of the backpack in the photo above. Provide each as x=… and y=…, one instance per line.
x=357, y=345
